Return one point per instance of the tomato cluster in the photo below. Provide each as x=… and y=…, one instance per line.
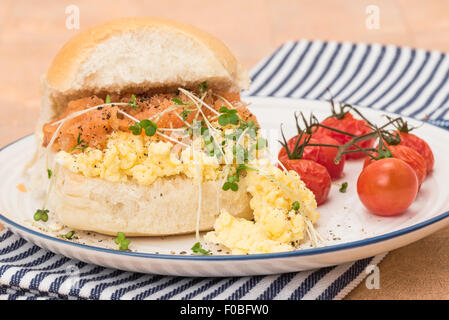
x=387, y=187
x=353, y=128
x=320, y=143
x=392, y=173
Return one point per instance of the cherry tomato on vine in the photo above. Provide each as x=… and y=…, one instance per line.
x=309, y=152
x=313, y=174
x=410, y=140
x=419, y=145
x=387, y=187
x=408, y=155
x=323, y=155
x=326, y=156
x=349, y=124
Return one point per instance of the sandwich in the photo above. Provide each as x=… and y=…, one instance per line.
x=142, y=131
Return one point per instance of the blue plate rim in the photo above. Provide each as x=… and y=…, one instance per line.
x=288, y=254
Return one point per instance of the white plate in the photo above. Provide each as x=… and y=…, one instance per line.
x=352, y=232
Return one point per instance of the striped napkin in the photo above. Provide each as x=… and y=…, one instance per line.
x=404, y=80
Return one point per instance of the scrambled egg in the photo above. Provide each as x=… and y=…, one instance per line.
x=242, y=236
x=128, y=156
x=276, y=226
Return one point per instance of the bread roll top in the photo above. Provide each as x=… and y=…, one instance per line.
x=138, y=55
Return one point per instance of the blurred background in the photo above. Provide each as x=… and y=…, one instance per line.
x=32, y=31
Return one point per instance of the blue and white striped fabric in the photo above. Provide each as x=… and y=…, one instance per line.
x=411, y=82
x=396, y=79
x=29, y=272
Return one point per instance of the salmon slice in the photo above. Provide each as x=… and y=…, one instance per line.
x=92, y=128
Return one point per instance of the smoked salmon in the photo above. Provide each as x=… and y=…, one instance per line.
x=92, y=128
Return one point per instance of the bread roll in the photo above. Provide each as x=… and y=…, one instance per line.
x=169, y=206
x=136, y=55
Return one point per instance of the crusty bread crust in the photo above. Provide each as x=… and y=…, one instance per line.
x=64, y=73
x=167, y=207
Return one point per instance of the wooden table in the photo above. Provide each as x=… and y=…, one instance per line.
x=32, y=31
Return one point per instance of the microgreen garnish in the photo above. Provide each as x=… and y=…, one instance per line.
x=243, y=167
x=178, y=102
x=49, y=173
x=41, y=214
x=344, y=187
x=184, y=114
x=228, y=116
x=241, y=153
x=122, y=241
x=198, y=249
x=295, y=206
x=80, y=144
x=231, y=183
x=203, y=86
x=209, y=144
x=199, y=127
x=250, y=127
x=147, y=125
x=108, y=99
x=233, y=179
x=69, y=235
x=261, y=143
x=133, y=102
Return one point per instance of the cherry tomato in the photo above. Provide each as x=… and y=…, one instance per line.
x=323, y=155
x=351, y=125
x=419, y=145
x=310, y=153
x=314, y=175
x=387, y=187
x=410, y=156
x=326, y=156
